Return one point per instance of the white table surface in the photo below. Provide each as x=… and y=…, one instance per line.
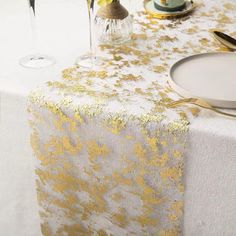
x=210, y=205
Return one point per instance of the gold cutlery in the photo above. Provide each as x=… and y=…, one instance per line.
x=225, y=39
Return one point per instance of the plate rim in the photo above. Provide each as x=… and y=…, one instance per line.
x=168, y=15
x=220, y=103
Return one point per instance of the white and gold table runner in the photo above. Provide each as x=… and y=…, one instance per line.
x=110, y=154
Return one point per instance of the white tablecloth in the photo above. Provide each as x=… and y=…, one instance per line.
x=210, y=197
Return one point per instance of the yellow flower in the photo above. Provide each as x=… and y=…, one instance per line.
x=104, y=2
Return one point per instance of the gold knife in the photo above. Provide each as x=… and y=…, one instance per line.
x=225, y=39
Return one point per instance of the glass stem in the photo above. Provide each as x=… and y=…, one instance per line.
x=91, y=31
x=33, y=26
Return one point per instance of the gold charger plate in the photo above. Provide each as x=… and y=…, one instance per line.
x=150, y=9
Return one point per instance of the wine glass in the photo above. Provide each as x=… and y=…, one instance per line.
x=90, y=60
x=36, y=60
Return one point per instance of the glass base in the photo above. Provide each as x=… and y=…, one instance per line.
x=89, y=61
x=114, y=31
x=37, y=61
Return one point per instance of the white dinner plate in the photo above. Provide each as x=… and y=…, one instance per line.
x=209, y=76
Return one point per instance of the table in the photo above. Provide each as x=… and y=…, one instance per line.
x=204, y=189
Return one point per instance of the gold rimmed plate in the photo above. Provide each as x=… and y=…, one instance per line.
x=150, y=9
x=208, y=76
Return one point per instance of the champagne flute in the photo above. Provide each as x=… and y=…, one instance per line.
x=90, y=60
x=36, y=60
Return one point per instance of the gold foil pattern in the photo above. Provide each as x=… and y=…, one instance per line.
x=109, y=149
